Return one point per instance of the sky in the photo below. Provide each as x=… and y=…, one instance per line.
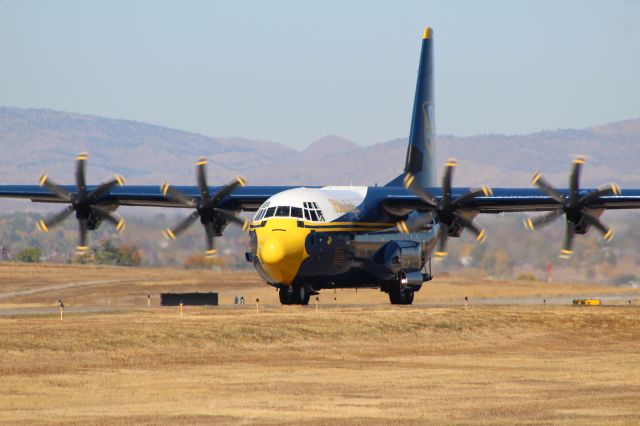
x=295, y=71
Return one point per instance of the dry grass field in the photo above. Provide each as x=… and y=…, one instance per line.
x=354, y=362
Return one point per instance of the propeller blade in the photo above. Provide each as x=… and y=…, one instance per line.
x=607, y=232
x=226, y=190
x=473, y=193
x=546, y=187
x=540, y=221
x=413, y=186
x=574, y=177
x=82, y=246
x=201, y=174
x=414, y=224
x=45, y=225
x=446, y=179
x=211, y=235
x=442, y=242
x=176, y=196
x=172, y=233
x=480, y=233
x=53, y=187
x=567, y=245
x=110, y=217
x=81, y=183
x=105, y=187
x=602, y=191
x=231, y=217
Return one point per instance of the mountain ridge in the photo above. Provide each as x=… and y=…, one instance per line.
x=44, y=140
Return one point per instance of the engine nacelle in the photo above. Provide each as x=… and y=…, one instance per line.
x=411, y=278
x=401, y=263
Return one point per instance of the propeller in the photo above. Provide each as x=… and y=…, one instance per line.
x=212, y=217
x=83, y=203
x=447, y=209
x=578, y=210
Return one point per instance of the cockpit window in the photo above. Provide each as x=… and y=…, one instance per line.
x=313, y=212
x=309, y=212
x=282, y=211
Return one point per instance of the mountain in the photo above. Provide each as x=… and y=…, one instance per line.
x=34, y=141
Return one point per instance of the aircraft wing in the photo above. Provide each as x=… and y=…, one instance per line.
x=455, y=208
x=246, y=198
x=505, y=200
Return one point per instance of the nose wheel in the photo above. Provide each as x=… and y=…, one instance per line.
x=294, y=295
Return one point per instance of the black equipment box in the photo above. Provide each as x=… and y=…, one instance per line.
x=193, y=299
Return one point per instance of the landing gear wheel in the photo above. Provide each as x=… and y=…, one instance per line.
x=286, y=297
x=301, y=295
x=400, y=295
x=297, y=295
x=305, y=295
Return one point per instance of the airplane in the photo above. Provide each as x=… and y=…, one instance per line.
x=304, y=239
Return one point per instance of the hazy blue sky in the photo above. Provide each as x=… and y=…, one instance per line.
x=294, y=71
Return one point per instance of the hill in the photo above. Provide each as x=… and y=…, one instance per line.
x=34, y=141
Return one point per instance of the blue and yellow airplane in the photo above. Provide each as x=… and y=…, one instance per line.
x=305, y=239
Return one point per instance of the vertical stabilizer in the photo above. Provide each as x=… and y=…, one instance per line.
x=421, y=149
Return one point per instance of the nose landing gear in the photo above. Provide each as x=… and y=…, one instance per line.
x=297, y=294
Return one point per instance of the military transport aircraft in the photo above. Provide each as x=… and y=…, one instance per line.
x=305, y=239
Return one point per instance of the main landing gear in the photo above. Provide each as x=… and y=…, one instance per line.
x=294, y=295
x=400, y=295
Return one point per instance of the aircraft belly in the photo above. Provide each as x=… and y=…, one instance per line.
x=348, y=261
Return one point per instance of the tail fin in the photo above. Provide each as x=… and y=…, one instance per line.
x=421, y=149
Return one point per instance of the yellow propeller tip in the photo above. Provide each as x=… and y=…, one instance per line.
x=41, y=226
x=615, y=188
x=608, y=235
x=487, y=191
x=242, y=181
x=536, y=177
x=168, y=234
x=402, y=227
x=120, y=180
x=43, y=179
x=81, y=250
x=83, y=156
x=441, y=253
x=164, y=188
x=565, y=254
x=408, y=180
x=528, y=224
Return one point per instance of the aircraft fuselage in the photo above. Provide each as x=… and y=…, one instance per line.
x=335, y=237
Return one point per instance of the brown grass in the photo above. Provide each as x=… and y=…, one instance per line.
x=128, y=287
x=344, y=364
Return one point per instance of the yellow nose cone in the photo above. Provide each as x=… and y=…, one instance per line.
x=272, y=251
